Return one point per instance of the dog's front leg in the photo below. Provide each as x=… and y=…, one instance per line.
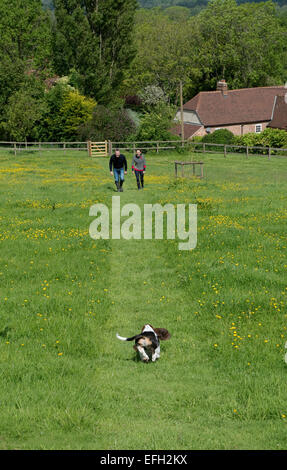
x=156, y=354
x=143, y=355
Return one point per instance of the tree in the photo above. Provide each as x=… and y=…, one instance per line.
x=164, y=55
x=66, y=111
x=25, y=45
x=244, y=44
x=76, y=110
x=177, y=13
x=108, y=124
x=94, y=37
x=152, y=95
x=23, y=113
x=156, y=124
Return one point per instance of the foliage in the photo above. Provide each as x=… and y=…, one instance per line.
x=197, y=138
x=67, y=109
x=177, y=13
x=108, y=124
x=117, y=54
x=245, y=44
x=155, y=125
x=190, y=4
x=135, y=116
x=77, y=110
x=96, y=40
x=48, y=4
x=164, y=55
x=220, y=136
x=275, y=138
x=25, y=45
x=23, y=115
x=152, y=96
x=133, y=102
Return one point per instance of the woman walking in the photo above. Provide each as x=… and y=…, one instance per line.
x=139, y=168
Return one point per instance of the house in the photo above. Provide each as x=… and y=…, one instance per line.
x=240, y=111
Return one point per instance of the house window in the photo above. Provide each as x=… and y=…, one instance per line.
x=258, y=128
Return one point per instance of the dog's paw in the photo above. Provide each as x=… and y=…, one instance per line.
x=145, y=359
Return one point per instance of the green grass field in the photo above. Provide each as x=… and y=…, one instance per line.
x=68, y=383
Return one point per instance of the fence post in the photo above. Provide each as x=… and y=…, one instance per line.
x=203, y=147
x=247, y=151
x=15, y=149
x=201, y=170
x=269, y=153
x=157, y=147
x=224, y=151
x=110, y=148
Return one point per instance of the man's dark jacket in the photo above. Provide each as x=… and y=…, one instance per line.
x=118, y=162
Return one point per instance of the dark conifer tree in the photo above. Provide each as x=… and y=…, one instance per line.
x=95, y=39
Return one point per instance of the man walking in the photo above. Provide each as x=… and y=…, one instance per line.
x=139, y=168
x=118, y=168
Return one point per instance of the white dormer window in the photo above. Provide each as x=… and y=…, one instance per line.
x=258, y=128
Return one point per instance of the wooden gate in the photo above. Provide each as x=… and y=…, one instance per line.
x=98, y=149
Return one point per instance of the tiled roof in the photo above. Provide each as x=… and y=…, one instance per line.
x=279, y=119
x=189, y=130
x=240, y=106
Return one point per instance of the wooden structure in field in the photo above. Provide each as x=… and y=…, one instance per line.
x=188, y=174
x=98, y=149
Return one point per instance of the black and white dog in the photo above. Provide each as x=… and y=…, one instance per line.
x=147, y=343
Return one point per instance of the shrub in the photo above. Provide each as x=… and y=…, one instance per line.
x=108, y=124
x=152, y=95
x=76, y=110
x=220, y=136
x=23, y=114
x=133, y=102
x=275, y=138
x=156, y=124
x=197, y=138
x=251, y=139
x=67, y=109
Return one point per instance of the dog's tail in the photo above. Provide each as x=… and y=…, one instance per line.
x=127, y=339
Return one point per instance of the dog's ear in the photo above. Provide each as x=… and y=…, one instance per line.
x=162, y=333
x=146, y=325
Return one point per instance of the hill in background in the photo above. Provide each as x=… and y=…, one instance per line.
x=192, y=4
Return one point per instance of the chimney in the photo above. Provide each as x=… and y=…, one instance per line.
x=222, y=86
